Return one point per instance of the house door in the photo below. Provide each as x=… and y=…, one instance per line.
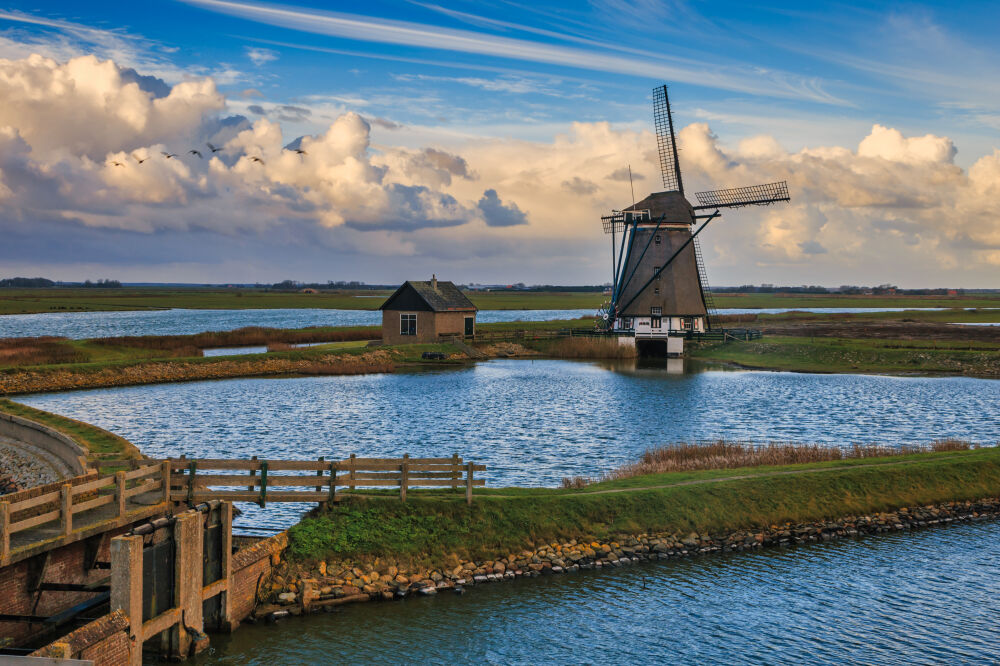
x=470, y=326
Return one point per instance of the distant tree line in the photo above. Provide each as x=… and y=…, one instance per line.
x=880, y=290
x=40, y=282
x=294, y=285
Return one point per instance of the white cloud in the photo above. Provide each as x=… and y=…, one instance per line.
x=261, y=56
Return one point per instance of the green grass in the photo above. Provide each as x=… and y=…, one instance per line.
x=98, y=441
x=858, y=355
x=432, y=525
x=19, y=301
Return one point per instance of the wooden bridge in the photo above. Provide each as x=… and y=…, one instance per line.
x=41, y=518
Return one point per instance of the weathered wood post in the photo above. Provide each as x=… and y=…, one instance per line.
x=333, y=482
x=166, y=472
x=353, y=464
x=126, y=589
x=4, y=529
x=192, y=471
x=456, y=472
x=319, y=473
x=66, y=508
x=253, y=475
x=404, y=472
x=188, y=576
x=120, y=492
x=228, y=621
x=468, y=485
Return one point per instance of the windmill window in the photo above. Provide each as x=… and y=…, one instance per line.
x=407, y=324
x=657, y=239
x=656, y=272
x=656, y=291
x=655, y=322
x=656, y=311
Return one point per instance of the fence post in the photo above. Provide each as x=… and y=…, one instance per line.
x=4, y=529
x=353, y=463
x=456, y=472
x=66, y=510
x=120, y=492
x=319, y=473
x=166, y=471
x=468, y=485
x=253, y=475
x=404, y=476
x=192, y=470
x=333, y=482
x=263, y=484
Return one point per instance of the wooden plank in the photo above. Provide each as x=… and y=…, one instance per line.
x=212, y=589
x=144, y=488
x=35, y=501
x=272, y=465
x=161, y=622
x=391, y=466
x=147, y=470
x=416, y=483
x=399, y=461
x=246, y=496
x=93, y=504
x=346, y=480
x=34, y=521
x=96, y=484
x=236, y=480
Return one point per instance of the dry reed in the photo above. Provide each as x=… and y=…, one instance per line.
x=721, y=454
x=589, y=348
x=243, y=337
x=745, y=318
x=38, y=351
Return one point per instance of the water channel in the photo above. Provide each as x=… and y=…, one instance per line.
x=532, y=422
x=77, y=325
x=926, y=597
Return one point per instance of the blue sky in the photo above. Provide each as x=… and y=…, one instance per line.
x=462, y=76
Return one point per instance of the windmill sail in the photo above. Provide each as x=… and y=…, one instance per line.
x=666, y=143
x=737, y=197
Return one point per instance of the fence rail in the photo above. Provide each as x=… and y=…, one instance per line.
x=60, y=506
x=194, y=479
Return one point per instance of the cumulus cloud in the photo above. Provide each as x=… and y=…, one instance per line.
x=259, y=56
x=891, y=203
x=497, y=214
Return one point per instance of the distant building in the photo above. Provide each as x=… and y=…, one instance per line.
x=309, y=290
x=426, y=312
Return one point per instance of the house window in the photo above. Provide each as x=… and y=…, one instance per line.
x=656, y=310
x=656, y=239
x=407, y=324
x=687, y=323
x=655, y=322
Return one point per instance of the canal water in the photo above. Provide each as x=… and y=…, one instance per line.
x=926, y=597
x=78, y=325
x=532, y=422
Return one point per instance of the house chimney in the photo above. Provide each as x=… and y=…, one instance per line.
x=434, y=282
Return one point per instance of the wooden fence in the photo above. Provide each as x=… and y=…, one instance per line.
x=60, y=506
x=262, y=481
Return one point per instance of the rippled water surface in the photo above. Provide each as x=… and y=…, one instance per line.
x=530, y=422
x=927, y=597
x=79, y=325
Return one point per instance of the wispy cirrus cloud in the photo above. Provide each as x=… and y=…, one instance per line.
x=757, y=81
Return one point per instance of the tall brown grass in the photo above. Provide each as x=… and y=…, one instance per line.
x=347, y=366
x=243, y=337
x=721, y=454
x=41, y=350
x=589, y=348
x=736, y=318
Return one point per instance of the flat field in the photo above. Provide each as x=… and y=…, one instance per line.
x=24, y=301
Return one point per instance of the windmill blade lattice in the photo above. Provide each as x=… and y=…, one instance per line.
x=666, y=142
x=737, y=197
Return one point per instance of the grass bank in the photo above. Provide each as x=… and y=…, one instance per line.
x=432, y=526
x=98, y=441
x=802, y=354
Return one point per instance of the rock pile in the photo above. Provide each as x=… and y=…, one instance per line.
x=24, y=466
x=293, y=591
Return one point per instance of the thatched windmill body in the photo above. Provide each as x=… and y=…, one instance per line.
x=660, y=291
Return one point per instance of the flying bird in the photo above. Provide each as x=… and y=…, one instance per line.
x=137, y=159
x=194, y=152
x=115, y=163
x=168, y=155
x=213, y=148
x=256, y=159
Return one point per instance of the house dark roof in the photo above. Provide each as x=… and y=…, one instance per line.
x=671, y=205
x=446, y=297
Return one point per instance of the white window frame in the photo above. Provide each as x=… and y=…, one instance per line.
x=407, y=317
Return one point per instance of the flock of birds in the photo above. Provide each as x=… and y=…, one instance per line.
x=196, y=153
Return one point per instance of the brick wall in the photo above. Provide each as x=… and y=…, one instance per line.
x=104, y=641
x=61, y=565
x=250, y=565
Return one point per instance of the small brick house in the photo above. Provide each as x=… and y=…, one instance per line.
x=425, y=311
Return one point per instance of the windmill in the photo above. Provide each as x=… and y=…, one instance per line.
x=660, y=291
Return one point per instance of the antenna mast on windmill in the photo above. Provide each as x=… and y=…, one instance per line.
x=660, y=293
